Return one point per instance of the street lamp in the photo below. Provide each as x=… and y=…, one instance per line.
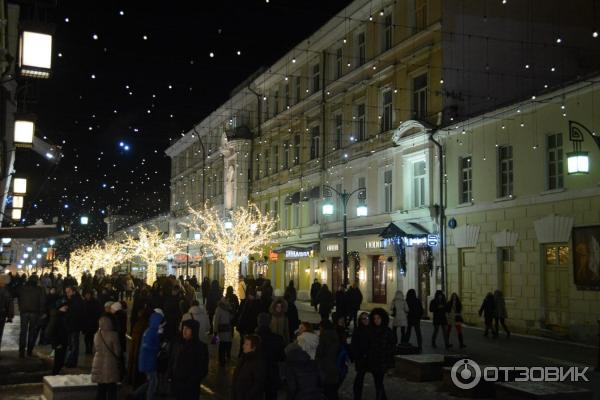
x=20, y=186
x=35, y=53
x=17, y=202
x=84, y=220
x=16, y=214
x=361, y=211
x=24, y=129
x=578, y=163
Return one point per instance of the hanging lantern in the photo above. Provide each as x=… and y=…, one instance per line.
x=35, y=50
x=20, y=186
x=23, y=131
x=17, y=202
x=16, y=214
x=578, y=163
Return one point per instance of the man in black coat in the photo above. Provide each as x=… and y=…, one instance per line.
x=354, y=300
x=314, y=293
x=6, y=304
x=74, y=324
x=248, y=315
x=272, y=352
x=31, y=307
x=92, y=309
x=249, y=377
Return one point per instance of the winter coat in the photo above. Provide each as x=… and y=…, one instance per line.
x=137, y=331
x=359, y=347
x=7, y=310
x=381, y=348
x=341, y=306
x=415, y=311
x=198, y=313
x=488, y=307
x=188, y=364
x=214, y=295
x=354, y=299
x=293, y=318
x=500, y=311
x=279, y=321
x=120, y=326
x=56, y=331
x=272, y=351
x=205, y=288
x=249, y=378
x=248, y=314
x=314, y=293
x=31, y=299
x=266, y=294
x=147, y=361
x=302, y=376
x=399, y=309
x=326, y=357
x=308, y=341
x=325, y=301
x=222, y=322
x=290, y=294
x=454, y=311
x=75, y=313
x=105, y=366
x=437, y=307
x=92, y=310
x=241, y=290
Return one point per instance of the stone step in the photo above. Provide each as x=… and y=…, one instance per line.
x=19, y=378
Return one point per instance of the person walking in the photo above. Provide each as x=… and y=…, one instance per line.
x=107, y=363
x=290, y=293
x=315, y=288
x=326, y=357
x=223, y=327
x=31, y=308
x=500, y=314
x=272, y=351
x=301, y=375
x=241, y=289
x=325, y=302
x=279, y=321
x=359, y=353
x=247, y=316
x=488, y=309
x=400, y=323
x=266, y=294
x=119, y=320
x=148, y=358
x=354, y=300
x=197, y=313
x=454, y=309
x=292, y=311
x=57, y=333
x=92, y=310
x=205, y=287
x=134, y=377
x=188, y=364
x=413, y=317
x=341, y=307
x=437, y=307
x=249, y=377
x=381, y=349
x=214, y=295
x=7, y=310
x=74, y=320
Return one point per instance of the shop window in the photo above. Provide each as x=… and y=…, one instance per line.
x=557, y=255
x=291, y=272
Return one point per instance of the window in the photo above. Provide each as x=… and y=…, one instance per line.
x=291, y=271
x=339, y=62
x=286, y=154
x=386, y=37
x=420, y=96
x=296, y=215
x=276, y=103
x=361, y=123
x=386, y=118
x=387, y=191
x=296, y=149
x=338, y=130
x=466, y=179
x=298, y=89
x=419, y=183
x=557, y=255
x=276, y=159
x=267, y=162
x=361, y=54
x=505, y=171
x=257, y=173
x=286, y=100
x=315, y=140
x=313, y=212
x=286, y=217
x=316, y=78
x=554, y=156
x=275, y=209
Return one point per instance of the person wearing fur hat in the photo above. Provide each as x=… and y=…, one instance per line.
x=272, y=352
x=301, y=372
x=279, y=320
x=381, y=349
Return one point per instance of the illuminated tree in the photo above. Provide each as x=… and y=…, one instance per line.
x=233, y=236
x=151, y=247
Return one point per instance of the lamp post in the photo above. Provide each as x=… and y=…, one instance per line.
x=361, y=211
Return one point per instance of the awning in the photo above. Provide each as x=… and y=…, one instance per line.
x=33, y=232
x=353, y=232
x=297, y=247
x=403, y=229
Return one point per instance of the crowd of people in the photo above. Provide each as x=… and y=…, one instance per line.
x=172, y=324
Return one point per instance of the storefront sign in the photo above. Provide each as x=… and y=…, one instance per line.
x=333, y=247
x=415, y=241
x=273, y=256
x=296, y=254
x=432, y=240
x=375, y=244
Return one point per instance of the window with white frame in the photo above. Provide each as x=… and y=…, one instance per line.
x=466, y=179
x=316, y=78
x=339, y=63
x=275, y=209
x=314, y=211
x=267, y=160
x=419, y=105
x=361, y=49
x=387, y=110
x=361, y=122
x=275, y=159
x=286, y=154
x=554, y=161
x=296, y=215
x=315, y=142
x=286, y=216
x=419, y=183
x=388, y=191
x=387, y=32
x=296, y=149
x=505, y=171
x=338, y=131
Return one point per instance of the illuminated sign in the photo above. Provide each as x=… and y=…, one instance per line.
x=375, y=244
x=415, y=241
x=332, y=247
x=296, y=254
x=432, y=240
x=273, y=256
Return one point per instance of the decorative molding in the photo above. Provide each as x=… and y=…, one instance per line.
x=505, y=238
x=553, y=229
x=466, y=236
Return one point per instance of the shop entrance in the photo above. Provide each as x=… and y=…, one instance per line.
x=379, y=280
x=556, y=284
x=424, y=276
x=291, y=273
x=337, y=273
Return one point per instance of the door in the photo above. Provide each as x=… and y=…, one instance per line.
x=379, y=280
x=291, y=272
x=424, y=288
x=337, y=273
x=468, y=295
x=556, y=284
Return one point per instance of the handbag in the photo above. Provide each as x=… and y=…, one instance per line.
x=118, y=358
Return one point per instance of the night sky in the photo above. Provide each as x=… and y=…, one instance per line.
x=141, y=73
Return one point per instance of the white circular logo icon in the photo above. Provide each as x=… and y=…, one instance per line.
x=465, y=374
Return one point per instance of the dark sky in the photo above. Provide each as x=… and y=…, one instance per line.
x=102, y=89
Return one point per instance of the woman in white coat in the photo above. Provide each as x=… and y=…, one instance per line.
x=399, y=309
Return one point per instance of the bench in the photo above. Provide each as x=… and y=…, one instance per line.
x=68, y=387
x=540, y=391
x=420, y=367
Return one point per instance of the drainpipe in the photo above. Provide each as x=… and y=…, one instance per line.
x=442, y=210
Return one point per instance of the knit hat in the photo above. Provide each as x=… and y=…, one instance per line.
x=264, y=319
x=116, y=306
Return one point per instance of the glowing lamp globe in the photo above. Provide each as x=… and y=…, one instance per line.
x=361, y=210
x=35, y=54
x=84, y=220
x=24, y=130
x=20, y=186
x=328, y=208
x=578, y=163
